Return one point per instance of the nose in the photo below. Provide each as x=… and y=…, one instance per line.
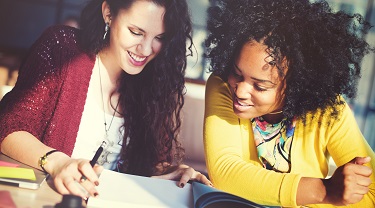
x=145, y=47
x=243, y=90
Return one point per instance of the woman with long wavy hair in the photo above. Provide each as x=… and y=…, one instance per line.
x=117, y=82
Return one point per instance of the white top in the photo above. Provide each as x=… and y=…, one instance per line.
x=91, y=131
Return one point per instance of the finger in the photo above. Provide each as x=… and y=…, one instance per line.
x=90, y=188
x=361, y=160
x=186, y=176
x=98, y=169
x=75, y=188
x=363, y=181
x=362, y=190
x=60, y=187
x=203, y=179
x=352, y=199
x=362, y=170
x=88, y=173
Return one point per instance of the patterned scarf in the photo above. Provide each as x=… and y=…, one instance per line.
x=273, y=142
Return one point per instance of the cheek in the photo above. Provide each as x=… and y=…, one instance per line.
x=232, y=82
x=232, y=86
x=156, y=46
x=124, y=39
x=264, y=98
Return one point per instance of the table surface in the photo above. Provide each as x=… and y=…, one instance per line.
x=44, y=197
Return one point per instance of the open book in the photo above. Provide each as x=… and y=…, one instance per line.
x=124, y=190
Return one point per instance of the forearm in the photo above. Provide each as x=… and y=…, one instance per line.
x=26, y=148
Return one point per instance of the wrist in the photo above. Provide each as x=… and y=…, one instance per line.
x=47, y=161
x=43, y=160
x=311, y=191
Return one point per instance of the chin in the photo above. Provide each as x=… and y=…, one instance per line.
x=133, y=70
x=240, y=114
x=244, y=114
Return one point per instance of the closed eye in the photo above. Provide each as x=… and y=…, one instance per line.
x=160, y=38
x=135, y=33
x=258, y=88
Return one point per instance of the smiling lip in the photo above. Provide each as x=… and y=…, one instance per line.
x=240, y=105
x=137, y=60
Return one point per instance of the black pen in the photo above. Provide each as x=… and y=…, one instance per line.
x=95, y=158
x=97, y=154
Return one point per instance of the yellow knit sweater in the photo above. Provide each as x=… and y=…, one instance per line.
x=233, y=164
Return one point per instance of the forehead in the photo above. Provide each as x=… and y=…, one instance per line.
x=253, y=55
x=253, y=62
x=145, y=15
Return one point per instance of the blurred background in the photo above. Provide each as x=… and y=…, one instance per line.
x=23, y=21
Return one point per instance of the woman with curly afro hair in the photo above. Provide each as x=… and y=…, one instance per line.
x=275, y=104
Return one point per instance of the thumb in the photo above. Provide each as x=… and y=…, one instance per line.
x=361, y=160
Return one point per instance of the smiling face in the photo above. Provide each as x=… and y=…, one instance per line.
x=136, y=36
x=254, y=82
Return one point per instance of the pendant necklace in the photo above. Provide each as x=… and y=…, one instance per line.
x=115, y=110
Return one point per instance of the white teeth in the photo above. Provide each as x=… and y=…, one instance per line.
x=242, y=104
x=136, y=58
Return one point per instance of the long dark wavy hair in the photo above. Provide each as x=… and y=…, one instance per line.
x=152, y=100
x=323, y=48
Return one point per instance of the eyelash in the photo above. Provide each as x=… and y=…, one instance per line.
x=238, y=76
x=140, y=34
x=259, y=88
x=134, y=33
x=160, y=39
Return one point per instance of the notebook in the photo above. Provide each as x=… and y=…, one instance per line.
x=22, y=183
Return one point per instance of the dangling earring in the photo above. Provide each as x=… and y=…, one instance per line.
x=106, y=30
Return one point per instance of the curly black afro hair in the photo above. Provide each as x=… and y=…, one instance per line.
x=323, y=48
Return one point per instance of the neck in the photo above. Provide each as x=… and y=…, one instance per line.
x=273, y=118
x=108, y=86
x=110, y=72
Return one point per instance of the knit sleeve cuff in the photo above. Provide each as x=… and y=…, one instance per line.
x=288, y=190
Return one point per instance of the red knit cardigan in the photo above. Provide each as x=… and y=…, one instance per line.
x=51, y=90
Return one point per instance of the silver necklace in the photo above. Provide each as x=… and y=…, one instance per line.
x=115, y=110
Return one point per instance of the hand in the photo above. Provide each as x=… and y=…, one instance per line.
x=67, y=174
x=349, y=183
x=183, y=173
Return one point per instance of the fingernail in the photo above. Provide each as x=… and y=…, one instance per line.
x=96, y=194
x=96, y=183
x=182, y=185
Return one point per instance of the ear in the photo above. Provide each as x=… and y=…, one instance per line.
x=106, y=11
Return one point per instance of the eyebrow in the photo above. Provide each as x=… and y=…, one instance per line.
x=256, y=79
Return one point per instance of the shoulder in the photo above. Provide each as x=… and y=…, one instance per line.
x=216, y=83
x=60, y=32
x=332, y=116
x=53, y=50
x=217, y=89
x=58, y=36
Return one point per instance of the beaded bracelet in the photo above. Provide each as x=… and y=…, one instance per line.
x=43, y=160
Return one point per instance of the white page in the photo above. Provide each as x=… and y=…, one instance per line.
x=121, y=190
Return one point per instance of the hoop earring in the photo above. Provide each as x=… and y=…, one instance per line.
x=106, y=30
